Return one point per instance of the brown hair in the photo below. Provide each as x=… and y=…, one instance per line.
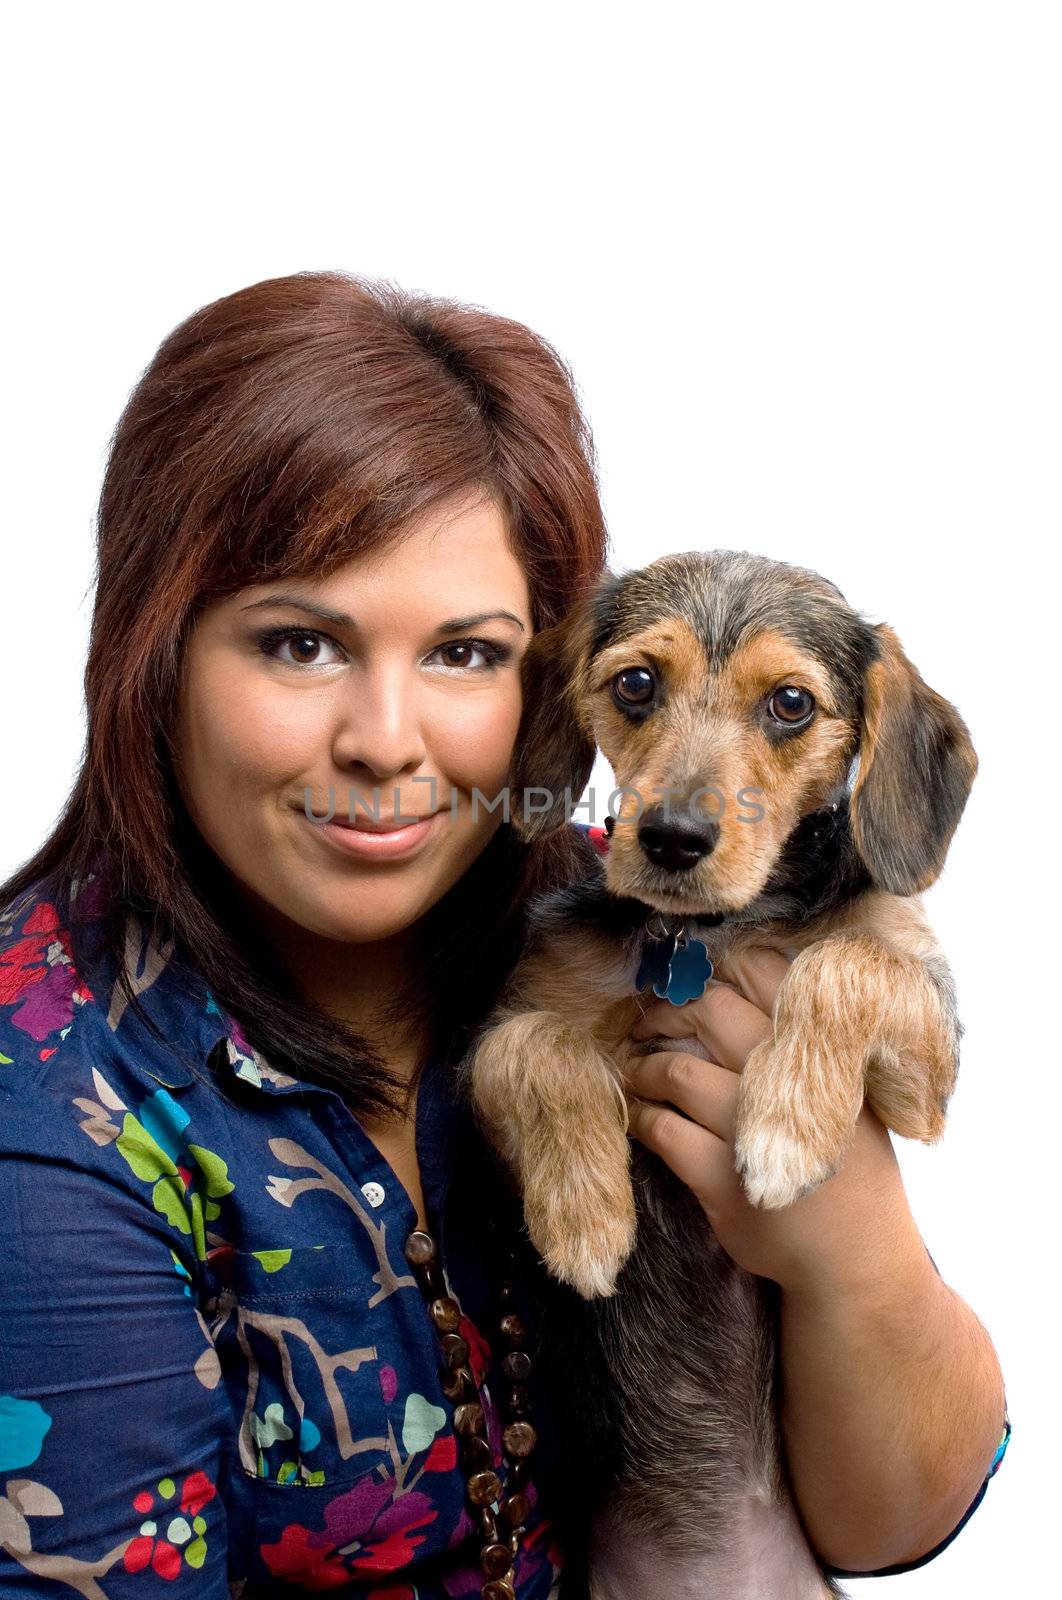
x=280, y=431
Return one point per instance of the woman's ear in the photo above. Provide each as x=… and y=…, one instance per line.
x=554, y=752
x=916, y=769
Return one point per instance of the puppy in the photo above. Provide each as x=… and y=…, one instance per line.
x=786, y=778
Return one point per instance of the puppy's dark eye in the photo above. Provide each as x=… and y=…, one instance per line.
x=633, y=686
x=790, y=705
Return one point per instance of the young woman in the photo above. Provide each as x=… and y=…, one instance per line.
x=269, y=1317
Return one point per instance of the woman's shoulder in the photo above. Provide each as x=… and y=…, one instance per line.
x=144, y=1111
x=76, y=1054
x=42, y=993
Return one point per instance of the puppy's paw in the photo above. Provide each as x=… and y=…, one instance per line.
x=796, y=1110
x=584, y=1233
x=777, y=1166
x=911, y=1097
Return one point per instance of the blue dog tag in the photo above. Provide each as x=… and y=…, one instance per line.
x=678, y=969
x=691, y=968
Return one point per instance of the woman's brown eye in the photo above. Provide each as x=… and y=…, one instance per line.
x=790, y=705
x=311, y=642
x=633, y=686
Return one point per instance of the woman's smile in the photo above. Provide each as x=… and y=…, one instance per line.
x=378, y=844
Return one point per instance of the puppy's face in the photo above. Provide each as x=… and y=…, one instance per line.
x=718, y=757
x=730, y=695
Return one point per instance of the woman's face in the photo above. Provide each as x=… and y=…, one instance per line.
x=402, y=706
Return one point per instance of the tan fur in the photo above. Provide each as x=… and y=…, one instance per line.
x=704, y=738
x=563, y=1129
x=853, y=1019
x=700, y=1502
x=562, y=1125
x=865, y=1009
x=767, y=660
x=577, y=973
x=896, y=700
x=857, y=1016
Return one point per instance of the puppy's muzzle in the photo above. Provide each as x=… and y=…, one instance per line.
x=676, y=843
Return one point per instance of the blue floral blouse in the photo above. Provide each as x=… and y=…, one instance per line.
x=218, y=1376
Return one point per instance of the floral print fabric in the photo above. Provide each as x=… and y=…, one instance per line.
x=218, y=1376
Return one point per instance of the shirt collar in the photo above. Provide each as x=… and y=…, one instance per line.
x=194, y=1034
x=199, y=1038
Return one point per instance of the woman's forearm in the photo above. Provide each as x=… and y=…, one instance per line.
x=891, y=1408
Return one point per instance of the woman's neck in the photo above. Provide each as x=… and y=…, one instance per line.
x=362, y=986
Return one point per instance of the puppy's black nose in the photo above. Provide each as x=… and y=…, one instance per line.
x=676, y=842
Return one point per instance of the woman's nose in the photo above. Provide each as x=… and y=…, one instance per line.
x=379, y=726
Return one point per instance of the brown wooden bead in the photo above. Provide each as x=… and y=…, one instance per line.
x=496, y=1559
x=513, y=1327
x=515, y=1508
x=519, y=1438
x=517, y=1366
x=458, y=1385
x=469, y=1418
x=454, y=1349
x=498, y=1589
x=519, y=1401
x=514, y=1540
x=445, y=1313
x=419, y=1248
x=483, y=1487
x=476, y=1453
x=488, y=1524
x=517, y=1475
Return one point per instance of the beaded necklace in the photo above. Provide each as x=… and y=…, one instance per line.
x=501, y=1520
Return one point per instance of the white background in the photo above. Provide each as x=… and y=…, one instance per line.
x=805, y=262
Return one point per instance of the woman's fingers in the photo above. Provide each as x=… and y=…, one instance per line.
x=757, y=972
x=727, y=1024
x=702, y=1090
x=698, y=1156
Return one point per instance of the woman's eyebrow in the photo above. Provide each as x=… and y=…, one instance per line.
x=341, y=620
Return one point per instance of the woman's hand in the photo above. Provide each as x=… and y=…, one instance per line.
x=845, y=1232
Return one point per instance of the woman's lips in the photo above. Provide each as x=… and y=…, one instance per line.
x=377, y=846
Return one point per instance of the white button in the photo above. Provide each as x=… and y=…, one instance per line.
x=373, y=1193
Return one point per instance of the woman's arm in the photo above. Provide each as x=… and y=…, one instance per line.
x=114, y=1422
x=892, y=1399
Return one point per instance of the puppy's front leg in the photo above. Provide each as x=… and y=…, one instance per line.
x=853, y=1018
x=549, y=1100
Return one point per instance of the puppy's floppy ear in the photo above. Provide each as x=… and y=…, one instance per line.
x=916, y=768
x=555, y=747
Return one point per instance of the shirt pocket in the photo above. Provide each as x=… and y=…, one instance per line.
x=344, y=1467
x=307, y=1369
